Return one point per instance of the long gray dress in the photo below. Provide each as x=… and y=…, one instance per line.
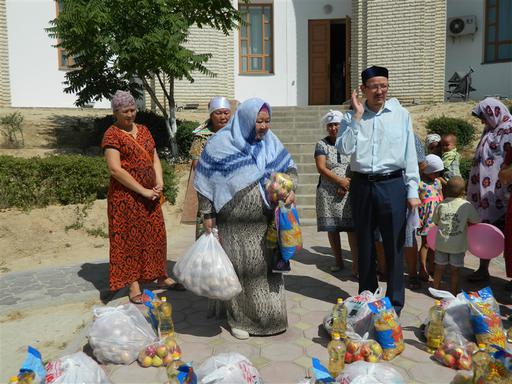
x=260, y=308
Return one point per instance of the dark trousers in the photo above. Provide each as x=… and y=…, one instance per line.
x=382, y=205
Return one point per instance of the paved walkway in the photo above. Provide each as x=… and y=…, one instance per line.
x=286, y=358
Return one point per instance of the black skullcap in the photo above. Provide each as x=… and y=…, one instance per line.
x=373, y=71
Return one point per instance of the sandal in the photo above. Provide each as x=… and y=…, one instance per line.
x=414, y=283
x=479, y=276
x=138, y=299
x=171, y=287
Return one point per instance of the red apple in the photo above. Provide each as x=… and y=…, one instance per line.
x=365, y=350
x=464, y=363
x=358, y=357
x=457, y=353
x=449, y=361
x=349, y=357
x=352, y=347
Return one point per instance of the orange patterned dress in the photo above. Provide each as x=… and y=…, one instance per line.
x=138, y=244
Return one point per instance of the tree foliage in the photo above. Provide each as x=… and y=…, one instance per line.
x=121, y=44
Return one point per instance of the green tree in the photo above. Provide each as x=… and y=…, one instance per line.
x=128, y=44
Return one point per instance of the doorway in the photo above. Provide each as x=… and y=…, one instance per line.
x=329, y=60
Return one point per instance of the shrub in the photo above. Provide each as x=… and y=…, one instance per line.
x=66, y=179
x=11, y=129
x=464, y=131
x=156, y=125
x=184, y=136
x=465, y=167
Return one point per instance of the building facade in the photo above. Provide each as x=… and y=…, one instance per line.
x=294, y=52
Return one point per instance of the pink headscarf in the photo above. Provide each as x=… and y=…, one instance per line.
x=122, y=99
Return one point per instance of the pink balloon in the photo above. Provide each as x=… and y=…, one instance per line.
x=485, y=241
x=431, y=237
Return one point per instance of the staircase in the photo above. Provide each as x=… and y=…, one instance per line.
x=299, y=129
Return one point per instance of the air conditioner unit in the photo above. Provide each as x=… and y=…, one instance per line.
x=462, y=25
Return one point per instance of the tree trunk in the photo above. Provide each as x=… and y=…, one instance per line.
x=171, y=123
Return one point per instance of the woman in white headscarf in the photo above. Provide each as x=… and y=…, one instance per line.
x=333, y=210
x=219, y=109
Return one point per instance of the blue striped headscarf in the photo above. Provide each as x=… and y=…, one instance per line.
x=232, y=159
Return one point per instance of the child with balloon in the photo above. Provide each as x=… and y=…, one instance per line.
x=452, y=217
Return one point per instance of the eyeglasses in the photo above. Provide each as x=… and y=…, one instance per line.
x=375, y=87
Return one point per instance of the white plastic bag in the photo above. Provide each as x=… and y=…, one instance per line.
x=362, y=372
x=118, y=334
x=227, y=368
x=77, y=368
x=207, y=271
x=359, y=316
x=457, y=321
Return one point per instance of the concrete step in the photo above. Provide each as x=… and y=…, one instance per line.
x=303, y=157
x=307, y=222
x=308, y=178
x=306, y=199
x=306, y=168
x=305, y=189
x=306, y=211
x=298, y=137
x=300, y=148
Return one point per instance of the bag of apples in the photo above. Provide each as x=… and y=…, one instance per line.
x=388, y=332
x=117, y=334
x=456, y=354
x=160, y=353
x=362, y=348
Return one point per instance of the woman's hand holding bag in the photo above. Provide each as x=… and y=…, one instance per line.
x=207, y=271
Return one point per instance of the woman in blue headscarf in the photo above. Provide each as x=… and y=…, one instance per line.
x=230, y=178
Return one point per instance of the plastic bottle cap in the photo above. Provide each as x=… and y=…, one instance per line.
x=438, y=302
x=163, y=298
x=340, y=300
x=335, y=335
x=481, y=346
x=13, y=379
x=176, y=355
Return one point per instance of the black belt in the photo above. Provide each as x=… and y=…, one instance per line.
x=380, y=176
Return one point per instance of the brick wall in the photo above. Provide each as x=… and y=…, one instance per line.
x=5, y=87
x=409, y=38
x=207, y=40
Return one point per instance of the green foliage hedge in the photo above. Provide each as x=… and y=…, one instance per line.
x=464, y=131
x=62, y=179
x=156, y=125
x=465, y=167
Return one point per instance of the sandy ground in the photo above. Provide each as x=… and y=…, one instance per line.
x=39, y=238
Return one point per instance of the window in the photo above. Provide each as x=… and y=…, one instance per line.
x=256, y=51
x=498, y=31
x=65, y=61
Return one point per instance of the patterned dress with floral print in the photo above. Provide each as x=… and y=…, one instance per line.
x=138, y=243
x=485, y=190
x=431, y=194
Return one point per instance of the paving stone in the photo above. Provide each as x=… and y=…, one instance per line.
x=426, y=373
x=282, y=352
x=9, y=300
x=293, y=318
x=415, y=353
x=289, y=335
x=314, y=317
x=316, y=305
x=242, y=347
x=133, y=373
x=197, y=318
x=303, y=342
x=282, y=372
x=299, y=310
x=316, y=332
x=304, y=362
x=196, y=352
x=317, y=350
x=259, y=362
x=197, y=334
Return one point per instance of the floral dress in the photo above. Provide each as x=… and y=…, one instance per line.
x=333, y=212
x=431, y=194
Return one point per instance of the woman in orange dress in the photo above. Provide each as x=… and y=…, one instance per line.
x=138, y=245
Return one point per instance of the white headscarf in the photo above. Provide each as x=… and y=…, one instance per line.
x=219, y=102
x=332, y=117
x=432, y=138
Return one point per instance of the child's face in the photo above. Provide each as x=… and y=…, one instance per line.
x=433, y=176
x=447, y=144
x=434, y=147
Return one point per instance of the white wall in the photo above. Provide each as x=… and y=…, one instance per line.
x=467, y=51
x=288, y=85
x=36, y=80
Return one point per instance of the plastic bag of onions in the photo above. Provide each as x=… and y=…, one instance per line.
x=117, y=334
x=207, y=271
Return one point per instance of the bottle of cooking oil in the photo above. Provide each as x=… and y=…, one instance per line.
x=509, y=335
x=339, y=318
x=435, y=333
x=481, y=363
x=165, y=324
x=336, y=350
